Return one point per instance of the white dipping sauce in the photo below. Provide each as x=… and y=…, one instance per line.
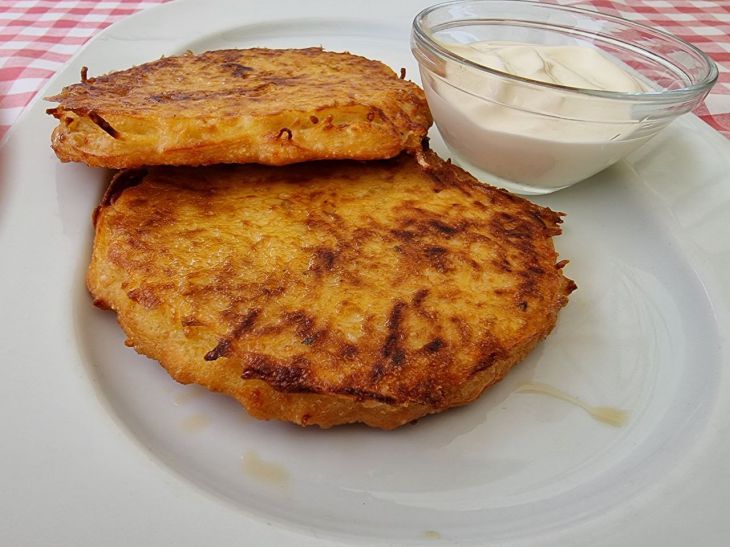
x=541, y=138
x=573, y=66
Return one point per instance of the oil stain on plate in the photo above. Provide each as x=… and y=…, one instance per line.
x=263, y=471
x=195, y=423
x=606, y=414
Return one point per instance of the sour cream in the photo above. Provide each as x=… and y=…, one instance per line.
x=535, y=138
x=572, y=66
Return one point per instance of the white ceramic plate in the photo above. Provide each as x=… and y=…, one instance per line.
x=100, y=447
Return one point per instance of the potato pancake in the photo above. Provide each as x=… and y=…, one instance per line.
x=329, y=292
x=268, y=106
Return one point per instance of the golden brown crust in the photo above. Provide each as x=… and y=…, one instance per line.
x=329, y=292
x=269, y=106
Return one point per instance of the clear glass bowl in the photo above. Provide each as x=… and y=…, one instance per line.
x=555, y=135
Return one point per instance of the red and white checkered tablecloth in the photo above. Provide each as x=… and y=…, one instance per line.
x=38, y=36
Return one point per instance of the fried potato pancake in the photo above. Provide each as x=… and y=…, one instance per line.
x=268, y=106
x=329, y=292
